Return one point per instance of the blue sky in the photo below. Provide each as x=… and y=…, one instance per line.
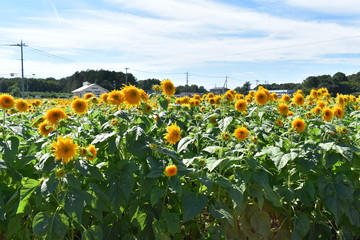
x=272, y=41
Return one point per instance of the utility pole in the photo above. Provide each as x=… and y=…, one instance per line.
x=126, y=79
x=225, y=84
x=21, y=45
x=187, y=82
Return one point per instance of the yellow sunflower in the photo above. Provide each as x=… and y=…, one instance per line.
x=88, y=96
x=64, y=149
x=173, y=134
x=116, y=97
x=91, y=149
x=225, y=135
x=79, y=106
x=168, y=87
x=171, y=170
x=327, y=114
x=283, y=108
x=299, y=124
x=6, y=101
x=54, y=115
x=299, y=99
x=45, y=128
x=132, y=95
x=278, y=122
x=261, y=97
x=21, y=105
x=104, y=97
x=241, y=133
x=241, y=105
x=285, y=98
x=338, y=112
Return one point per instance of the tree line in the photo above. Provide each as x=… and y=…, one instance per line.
x=110, y=80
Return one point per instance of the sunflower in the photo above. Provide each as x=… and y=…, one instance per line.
x=21, y=105
x=225, y=135
x=316, y=110
x=171, y=170
x=6, y=101
x=143, y=94
x=64, y=148
x=132, y=95
x=241, y=133
x=54, y=115
x=338, y=112
x=116, y=97
x=274, y=96
x=283, y=108
x=261, y=97
x=342, y=130
x=173, y=134
x=104, y=97
x=241, y=105
x=327, y=114
x=87, y=96
x=299, y=124
x=79, y=106
x=299, y=99
x=254, y=139
x=168, y=87
x=83, y=151
x=212, y=101
x=285, y=98
x=91, y=152
x=229, y=95
x=278, y=122
x=45, y=128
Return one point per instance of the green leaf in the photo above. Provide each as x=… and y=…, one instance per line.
x=92, y=233
x=2, y=208
x=46, y=163
x=159, y=228
x=236, y=193
x=49, y=185
x=260, y=221
x=184, y=143
x=220, y=212
x=224, y=123
x=26, y=191
x=212, y=149
x=193, y=205
x=102, y=137
x=2, y=165
x=11, y=149
x=163, y=102
x=301, y=227
x=88, y=170
x=279, y=158
x=74, y=204
x=212, y=163
x=172, y=221
x=50, y=225
x=156, y=194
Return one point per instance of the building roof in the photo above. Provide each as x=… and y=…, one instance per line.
x=80, y=89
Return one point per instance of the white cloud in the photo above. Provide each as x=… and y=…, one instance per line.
x=328, y=6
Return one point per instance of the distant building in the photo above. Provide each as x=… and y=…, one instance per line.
x=219, y=90
x=283, y=92
x=89, y=88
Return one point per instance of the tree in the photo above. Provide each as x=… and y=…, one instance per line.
x=244, y=89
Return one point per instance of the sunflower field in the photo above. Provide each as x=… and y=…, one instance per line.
x=129, y=165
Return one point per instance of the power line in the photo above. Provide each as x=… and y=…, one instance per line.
x=154, y=72
x=21, y=45
x=285, y=47
x=49, y=54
